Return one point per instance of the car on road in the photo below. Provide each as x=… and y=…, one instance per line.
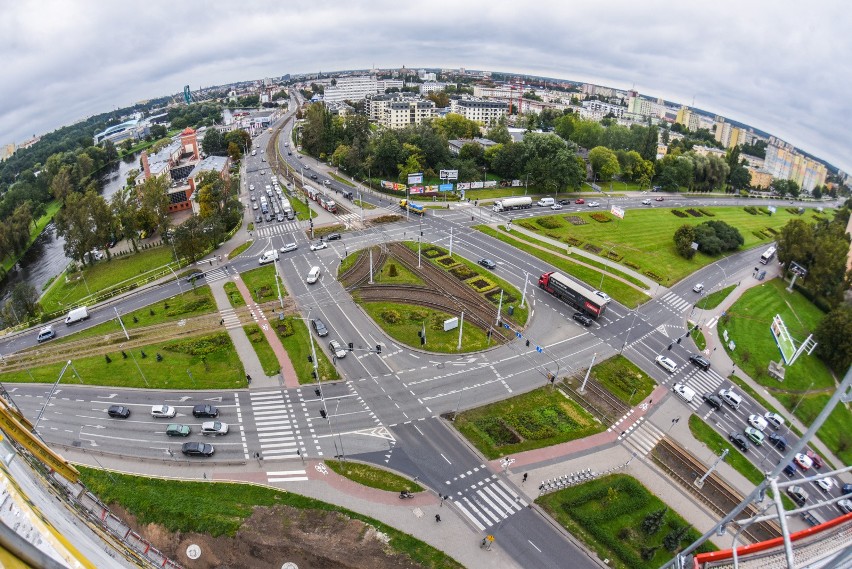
x=803, y=461
x=826, y=483
x=194, y=276
x=666, y=363
x=313, y=176
x=754, y=436
x=254, y=205
x=658, y=199
x=488, y=264
x=593, y=204
x=698, y=287
x=582, y=318
x=253, y=198
x=251, y=187
x=790, y=469
x=774, y=419
x=798, y=495
x=214, y=428
x=845, y=505
x=319, y=327
x=333, y=237
x=206, y=411
x=646, y=202
x=178, y=430
x=163, y=411
x=556, y=206
x=815, y=458
x=258, y=218
x=700, y=361
x=603, y=295
x=846, y=489
x=778, y=441
x=336, y=349
x=289, y=247
x=326, y=182
x=580, y=201
x=318, y=245
x=289, y=153
x=268, y=257
x=118, y=412
x=684, y=392
x=45, y=334
x=565, y=202
x=712, y=400
x=197, y=449
x=757, y=422
x=739, y=441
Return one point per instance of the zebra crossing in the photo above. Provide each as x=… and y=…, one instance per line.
x=675, y=303
x=641, y=436
x=277, y=430
x=486, y=501
x=349, y=218
x=273, y=229
x=702, y=382
x=230, y=318
x=287, y=476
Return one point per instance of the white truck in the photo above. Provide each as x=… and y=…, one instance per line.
x=507, y=204
x=77, y=315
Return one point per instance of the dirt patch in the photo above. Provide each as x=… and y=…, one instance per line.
x=273, y=536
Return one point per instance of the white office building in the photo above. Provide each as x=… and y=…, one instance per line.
x=478, y=110
x=351, y=89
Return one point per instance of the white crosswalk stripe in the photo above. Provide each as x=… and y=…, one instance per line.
x=287, y=476
x=703, y=382
x=277, y=228
x=642, y=437
x=230, y=319
x=213, y=275
x=277, y=429
x=487, y=501
x=675, y=303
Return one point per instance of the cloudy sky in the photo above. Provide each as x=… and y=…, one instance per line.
x=781, y=66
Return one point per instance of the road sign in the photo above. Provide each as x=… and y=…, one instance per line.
x=449, y=175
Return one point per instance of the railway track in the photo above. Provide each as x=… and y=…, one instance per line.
x=359, y=273
x=716, y=494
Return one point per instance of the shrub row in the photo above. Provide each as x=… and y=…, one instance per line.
x=654, y=276
x=750, y=209
x=575, y=220
x=201, y=346
x=679, y=213
x=707, y=212
x=601, y=217
x=549, y=222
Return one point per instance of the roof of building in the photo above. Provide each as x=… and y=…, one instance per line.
x=187, y=131
x=211, y=163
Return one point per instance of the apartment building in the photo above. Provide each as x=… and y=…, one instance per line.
x=689, y=119
x=383, y=85
x=596, y=110
x=432, y=87
x=786, y=163
x=351, y=89
x=479, y=110
x=402, y=113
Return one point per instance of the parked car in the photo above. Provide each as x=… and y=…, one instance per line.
x=118, y=412
x=178, y=430
x=209, y=411
x=336, y=349
x=197, y=449
x=163, y=411
x=712, y=400
x=778, y=441
x=318, y=245
x=251, y=187
x=739, y=441
x=666, y=363
x=700, y=361
x=214, y=428
x=319, y=327
x=258, y=218
x=757, y=422
x=580, y=201
x=582, y=318
x=488, y=264
x=754, y=436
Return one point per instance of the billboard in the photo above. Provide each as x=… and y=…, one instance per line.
x=445, y=188
x=617, y=212
x=393, y=186
x=415, y=178
x=449, y=174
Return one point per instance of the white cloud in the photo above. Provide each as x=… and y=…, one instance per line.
x=782, y=67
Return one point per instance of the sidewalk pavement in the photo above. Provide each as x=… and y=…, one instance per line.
x=725, y=366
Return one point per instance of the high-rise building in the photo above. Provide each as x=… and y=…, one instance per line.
x=478, y=110
x=689, y=119
x=351, y=89
x=639, y=106
x=786, y=163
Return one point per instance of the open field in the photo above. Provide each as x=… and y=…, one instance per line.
x=537, y=419
x=644, y=238
x=608, y=514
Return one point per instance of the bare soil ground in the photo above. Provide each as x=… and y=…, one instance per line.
x=270, y=537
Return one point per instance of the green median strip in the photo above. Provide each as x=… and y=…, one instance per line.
x=268, y=359
x=373, y=477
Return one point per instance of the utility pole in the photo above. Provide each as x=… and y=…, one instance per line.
x=524, y=295
x=499, y=308
x=126, y=335
x=699, y=482
x=461, y=325
x=588, y=372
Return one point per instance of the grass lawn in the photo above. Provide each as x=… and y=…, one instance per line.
x=261, y=283
x=644, y=237
x=699, y=339
x=349, y=260
x=373, y=477
x=191, y=303
x=714, y=299
x=623, y=379
x=836, y=432
x=234, y=296
x=608, y=515
x=211, y=360
x=294, y=336
x=104, y=275
x=623, y=293
x=538, y=419
x=360, y=203
x=511, y=295
x=341, y=179
x=221, y=508
x=402, y=322
x=717, y=443
x=242, y=247
x=300, y=208
x=262, y=349
x=393, y=272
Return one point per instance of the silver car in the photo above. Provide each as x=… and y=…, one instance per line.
x=214, y=428
x=337, y=349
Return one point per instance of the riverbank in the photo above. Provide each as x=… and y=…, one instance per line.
x=8, y=262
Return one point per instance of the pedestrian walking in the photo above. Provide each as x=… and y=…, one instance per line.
x=221, y=322
x=437, y=517
x=442, y=500
x=525, y=478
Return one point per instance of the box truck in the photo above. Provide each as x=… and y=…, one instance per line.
x=77, y=315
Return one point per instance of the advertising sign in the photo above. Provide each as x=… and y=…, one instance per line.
x=449, y=174
x=463, y=185
x=445, y=187
x=415, y=178
x=617, y=212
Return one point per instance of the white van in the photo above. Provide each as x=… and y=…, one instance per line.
x=684, y=392
x=268, y=257
x=313, y=275
x=77, y=315
x=545, y=202
x=731, y=398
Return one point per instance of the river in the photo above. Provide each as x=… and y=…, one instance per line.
x=46, y=257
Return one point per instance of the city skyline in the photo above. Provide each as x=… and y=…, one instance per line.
x=761, y=64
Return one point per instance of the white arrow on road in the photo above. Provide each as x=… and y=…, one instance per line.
x=95, y=426
x=181, y=400
x=217, y=399
x=90, y=441
x=110, y=396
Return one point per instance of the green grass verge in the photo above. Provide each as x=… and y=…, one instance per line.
x=264, y=352
x=193, y=302
x=402, y=322
x=717, y=443
x=607, y=515
x=240, y=248
x=221, y=508
x=537, y=419
x=294, y=336
x=373, y=477
x=393, y=272
x=361, y=203
x=349, y=260
x=300, y=208
x=623, y=293
x=747, y=388
x=698, y=337
x=234, y=296
x=511, y=295
x=261, y=283
x=623, y=379
x=714, y=299
x=835, y=432
x=644, y=237
x=211, y=360
x=103, y=275
x=341, y=179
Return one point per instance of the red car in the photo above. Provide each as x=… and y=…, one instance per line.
x=658, y=199
x=580, y=201
x=815, y=458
